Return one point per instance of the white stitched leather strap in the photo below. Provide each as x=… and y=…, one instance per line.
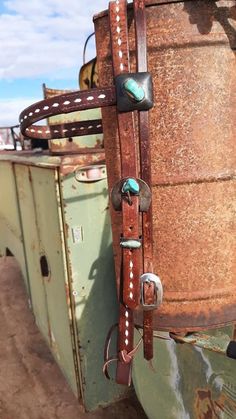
x=63, y=104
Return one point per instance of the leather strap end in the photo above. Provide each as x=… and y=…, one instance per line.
x=149, y=296
x=148, y=335
x=124, y=373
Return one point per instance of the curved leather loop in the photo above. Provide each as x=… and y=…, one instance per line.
x=63, y=104
x=69, y=129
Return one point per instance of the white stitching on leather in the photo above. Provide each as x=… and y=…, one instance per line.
x=131, y=276
x=37, y=130
x=66, y=103
x=127, y=325
x=118, y=30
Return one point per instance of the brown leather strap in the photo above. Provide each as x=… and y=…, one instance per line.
x=149, y=292
x=66, y=103
x=130, y=297
x=71, y=129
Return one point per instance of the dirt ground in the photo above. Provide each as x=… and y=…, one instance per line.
x=31, y=384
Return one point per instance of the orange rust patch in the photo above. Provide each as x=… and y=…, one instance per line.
x=204, y=405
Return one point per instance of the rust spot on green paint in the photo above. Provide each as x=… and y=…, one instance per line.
x=204, y=405
x=66, y=230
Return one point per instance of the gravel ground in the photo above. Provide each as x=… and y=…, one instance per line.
x=31, y=384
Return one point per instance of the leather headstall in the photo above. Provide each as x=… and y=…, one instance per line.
x=132, y=94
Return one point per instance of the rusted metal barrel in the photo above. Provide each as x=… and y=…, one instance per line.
x=191, y=56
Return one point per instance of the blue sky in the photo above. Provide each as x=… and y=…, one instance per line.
x=41, y=41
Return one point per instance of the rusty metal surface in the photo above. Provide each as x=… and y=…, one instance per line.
x=73, y=145
x=148, y=3
x=217, y=343
x=88, y=75
x=67, y=163
x=191, y=54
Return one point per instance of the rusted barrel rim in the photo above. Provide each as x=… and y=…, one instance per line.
x=148, y=3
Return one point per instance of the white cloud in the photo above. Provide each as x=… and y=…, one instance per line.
x=42, y=39
x=9, y=108
x=45, y=37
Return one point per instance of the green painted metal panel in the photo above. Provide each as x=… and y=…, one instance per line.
x=32, y=247
x=189, y=382
x=9, y=208
x=90, y=263
x=40, y=212
x=10, y=222
x=48, y=214
x=31, y=159
x=67, y=222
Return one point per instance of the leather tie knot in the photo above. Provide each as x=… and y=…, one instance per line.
x=125, y=357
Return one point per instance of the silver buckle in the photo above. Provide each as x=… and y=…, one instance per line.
x=148, y=278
